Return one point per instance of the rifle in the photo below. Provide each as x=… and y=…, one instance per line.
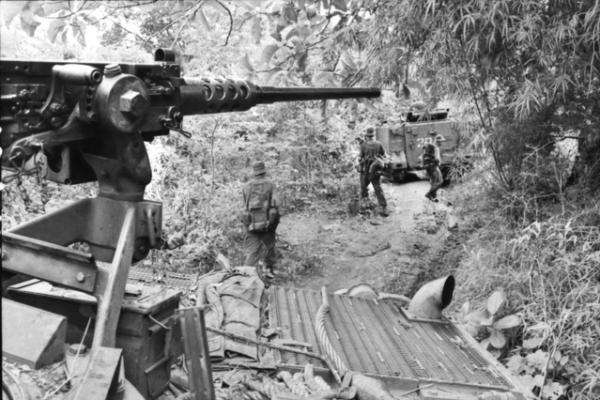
x=83, y=122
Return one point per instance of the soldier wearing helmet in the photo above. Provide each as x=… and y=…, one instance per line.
x=371, y=163
x=260, y=220
x=431, y=162
x=439, y=139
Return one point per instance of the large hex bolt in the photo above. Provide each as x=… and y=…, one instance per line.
x=133, y=104
x=111, y=70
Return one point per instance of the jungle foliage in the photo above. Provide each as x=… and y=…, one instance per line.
x=530, y=69
x=526, y=71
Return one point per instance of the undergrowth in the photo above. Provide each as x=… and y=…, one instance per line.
x=200, y=180
x=549, y=268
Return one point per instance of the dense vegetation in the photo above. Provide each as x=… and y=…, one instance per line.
x=525, y=72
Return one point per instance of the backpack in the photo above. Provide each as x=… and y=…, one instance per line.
x=260, y=214
x=377, y=167
x=429, y=160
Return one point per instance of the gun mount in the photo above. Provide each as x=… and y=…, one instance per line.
x=82, y=122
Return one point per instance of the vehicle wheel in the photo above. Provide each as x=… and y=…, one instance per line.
x=398, y=176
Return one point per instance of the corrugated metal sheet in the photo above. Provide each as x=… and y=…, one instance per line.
x=377, y=339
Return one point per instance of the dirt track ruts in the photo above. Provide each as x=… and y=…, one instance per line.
x=360, y=249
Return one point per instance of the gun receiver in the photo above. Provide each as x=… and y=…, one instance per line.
x=77, y=112
x=82, y=122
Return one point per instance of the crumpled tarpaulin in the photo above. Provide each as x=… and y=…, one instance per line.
x=232, y=300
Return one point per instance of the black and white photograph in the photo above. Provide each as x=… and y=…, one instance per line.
x=300, y=199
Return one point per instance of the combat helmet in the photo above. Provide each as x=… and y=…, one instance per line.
x=259, y=168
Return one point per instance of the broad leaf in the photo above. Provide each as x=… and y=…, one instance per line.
x=495, y=301
x=472, y=329
x=290, y=33
x=276, y=34
x=465, y=308
x=36, y=8
x=28, y=22
x=301, y=59
x=279, y=79
x=78, y=33
x=497, y=339
x=340, y=5
x=304, y=31
x=508, y=322
x=275, y=7
x=348, y=62
x=553, y=390
x=54, y=28
x=246, y=63
x=478, y=317
x=533, y=343
x=311, y=12
x=202, y=18
x=10, y=9
x=537, y=360
x=50, y=7
x=516, y=364
x=289, y=13
x=325, y=78
x=268, y=52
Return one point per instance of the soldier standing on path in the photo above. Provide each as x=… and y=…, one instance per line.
x=438, y=147
x=371, y=162
x=260, y=220
x=431, y=162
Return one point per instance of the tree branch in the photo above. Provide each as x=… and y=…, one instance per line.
x=114, y=21
x=189, y=14
x=230, y=21
x=136, y=4
x=70, y=14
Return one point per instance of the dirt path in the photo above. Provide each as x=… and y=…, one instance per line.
x=346, y=251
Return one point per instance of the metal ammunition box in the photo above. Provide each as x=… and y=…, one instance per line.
x=149, y=339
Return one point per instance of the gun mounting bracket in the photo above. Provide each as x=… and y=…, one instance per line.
x=117, y=233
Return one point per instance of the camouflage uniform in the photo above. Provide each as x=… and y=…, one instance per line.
x=260, y=246
x=431, y=163
x=370, y=150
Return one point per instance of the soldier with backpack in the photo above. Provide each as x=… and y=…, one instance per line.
x=260, y=219
x=431, y=163
x=371, y=162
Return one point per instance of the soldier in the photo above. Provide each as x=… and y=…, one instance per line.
x=438, y=147
x=260, y=219
x=431, y=162
x=371, y=162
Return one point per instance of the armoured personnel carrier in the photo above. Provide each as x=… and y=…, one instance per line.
x=404, y=143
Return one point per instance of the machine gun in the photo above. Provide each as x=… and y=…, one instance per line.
x=82, y=122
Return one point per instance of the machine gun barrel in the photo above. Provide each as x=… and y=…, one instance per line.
x=203, y=96
x=269, y=94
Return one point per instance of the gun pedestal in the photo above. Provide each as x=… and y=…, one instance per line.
x=117, y=232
